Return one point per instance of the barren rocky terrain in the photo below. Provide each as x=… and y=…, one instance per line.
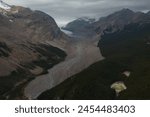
x=81, y=54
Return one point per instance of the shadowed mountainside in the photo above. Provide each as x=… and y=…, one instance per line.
x=126, y=49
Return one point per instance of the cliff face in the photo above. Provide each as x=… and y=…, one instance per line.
x=27, y=46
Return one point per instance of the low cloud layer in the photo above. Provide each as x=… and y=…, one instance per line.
x=64, y=11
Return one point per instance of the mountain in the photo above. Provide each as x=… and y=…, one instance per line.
x=28, y=47
x=79, y=23
x=108, y=24
x=124, y=73
x=80, y=26
x=118, y=20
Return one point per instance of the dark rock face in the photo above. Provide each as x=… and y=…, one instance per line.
x=25, y=47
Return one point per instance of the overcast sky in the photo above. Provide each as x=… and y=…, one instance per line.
x=64, y=11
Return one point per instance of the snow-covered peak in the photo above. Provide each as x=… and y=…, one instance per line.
x=87, y=19
x=4, y=5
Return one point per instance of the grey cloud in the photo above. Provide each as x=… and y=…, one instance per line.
x=66, y=10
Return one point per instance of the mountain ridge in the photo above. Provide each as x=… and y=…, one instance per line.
x=27, y=48
x=110, y=23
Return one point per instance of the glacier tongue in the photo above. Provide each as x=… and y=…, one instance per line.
x=3, y=5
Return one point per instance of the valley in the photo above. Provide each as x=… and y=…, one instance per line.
x=88, y=58
x=80, y=54
x=125, y=48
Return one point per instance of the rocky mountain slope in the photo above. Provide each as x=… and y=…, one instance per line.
x=27, y=40
x=108, y=24
x=81, y=27
x=125, y=69
x=118, y=20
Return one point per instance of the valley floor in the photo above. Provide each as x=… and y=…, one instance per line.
x=81, y=54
